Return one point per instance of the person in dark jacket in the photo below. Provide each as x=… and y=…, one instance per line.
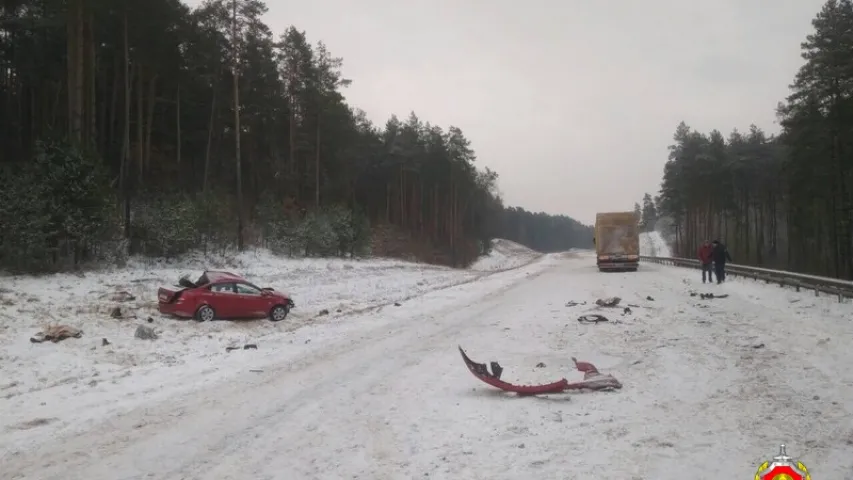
x=720, y=255
x=706, y=259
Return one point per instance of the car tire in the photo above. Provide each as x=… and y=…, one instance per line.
x=205, y=313
x=279, y=313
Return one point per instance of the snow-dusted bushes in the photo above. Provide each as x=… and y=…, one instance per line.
x=55, y=210
x=170, y=224
x=328, y=231
x=58, y=210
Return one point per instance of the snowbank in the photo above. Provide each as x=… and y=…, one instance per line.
x=108, y=350
x=505, y=254
x=652, y=244
x=324, y=290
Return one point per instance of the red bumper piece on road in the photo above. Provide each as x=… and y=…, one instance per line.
x=593, y=380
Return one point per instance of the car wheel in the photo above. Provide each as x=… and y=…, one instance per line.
x=279, y=313
x=205, y=314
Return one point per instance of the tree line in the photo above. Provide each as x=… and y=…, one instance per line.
x=149, y=127
x=781, y=201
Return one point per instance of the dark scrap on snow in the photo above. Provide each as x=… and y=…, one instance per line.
x=592, y=318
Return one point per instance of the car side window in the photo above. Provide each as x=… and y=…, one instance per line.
x=223, y=288
x=244, y=289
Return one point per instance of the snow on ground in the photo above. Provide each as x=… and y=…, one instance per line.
x=505, y=254
x=709, y=386
x=652, y=244
x=186, y=350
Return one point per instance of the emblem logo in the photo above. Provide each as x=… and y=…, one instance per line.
x=782, y=467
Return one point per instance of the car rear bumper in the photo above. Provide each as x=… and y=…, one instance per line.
x=176, y=310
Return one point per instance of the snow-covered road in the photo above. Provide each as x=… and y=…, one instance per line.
x=711, y=388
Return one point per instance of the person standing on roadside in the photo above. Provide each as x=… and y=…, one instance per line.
x=720, y=256
x=706, y=257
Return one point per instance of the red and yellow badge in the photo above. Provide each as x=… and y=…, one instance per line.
x=782, y=467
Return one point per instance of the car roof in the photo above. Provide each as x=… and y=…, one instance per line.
x=215, y=276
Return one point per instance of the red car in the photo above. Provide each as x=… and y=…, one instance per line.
x=222, y=295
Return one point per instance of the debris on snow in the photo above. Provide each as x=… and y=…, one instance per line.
x=56, y=333
x=572, y=303
x=592, y=318
x=608, y=302
x=121, y=296
x=145, y=333
x=248, y=346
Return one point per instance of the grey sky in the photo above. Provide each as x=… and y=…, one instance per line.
x=573, y=102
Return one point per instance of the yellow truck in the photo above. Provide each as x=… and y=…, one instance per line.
x=617, y=241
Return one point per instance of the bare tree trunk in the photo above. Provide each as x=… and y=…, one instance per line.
x=317, y=168
x=125, y=162
x=178, y=125
x=206, y=175
x=140, y=124
x=152, y=102
x=73, y=62
x=236, y=76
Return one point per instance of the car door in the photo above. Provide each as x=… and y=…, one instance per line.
x=223, y=299
x=252, y=302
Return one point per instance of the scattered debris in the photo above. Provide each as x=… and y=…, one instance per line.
x=36, y=422
x=592, y=318
x=540, y=365
x=649, y=298
x=56, y=333
x=323, y=312
x=104, y=342
x=572, y=303
x=145, y=333
x=593, y=380
x=150, y=320
x=608, y=302
x=711, y=295
x=115, y=312
x=760, y=345
x=396, y=304
x=248, y=346
x=626, y=311
x=122, y=296
x=256, y=371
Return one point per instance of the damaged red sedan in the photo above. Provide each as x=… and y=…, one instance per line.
x=222, y=295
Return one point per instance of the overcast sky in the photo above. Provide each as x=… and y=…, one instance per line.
x=572, y=102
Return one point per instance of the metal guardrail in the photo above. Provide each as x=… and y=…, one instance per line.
x=833, y=286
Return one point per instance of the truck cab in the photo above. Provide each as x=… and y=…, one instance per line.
x=617, y=241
